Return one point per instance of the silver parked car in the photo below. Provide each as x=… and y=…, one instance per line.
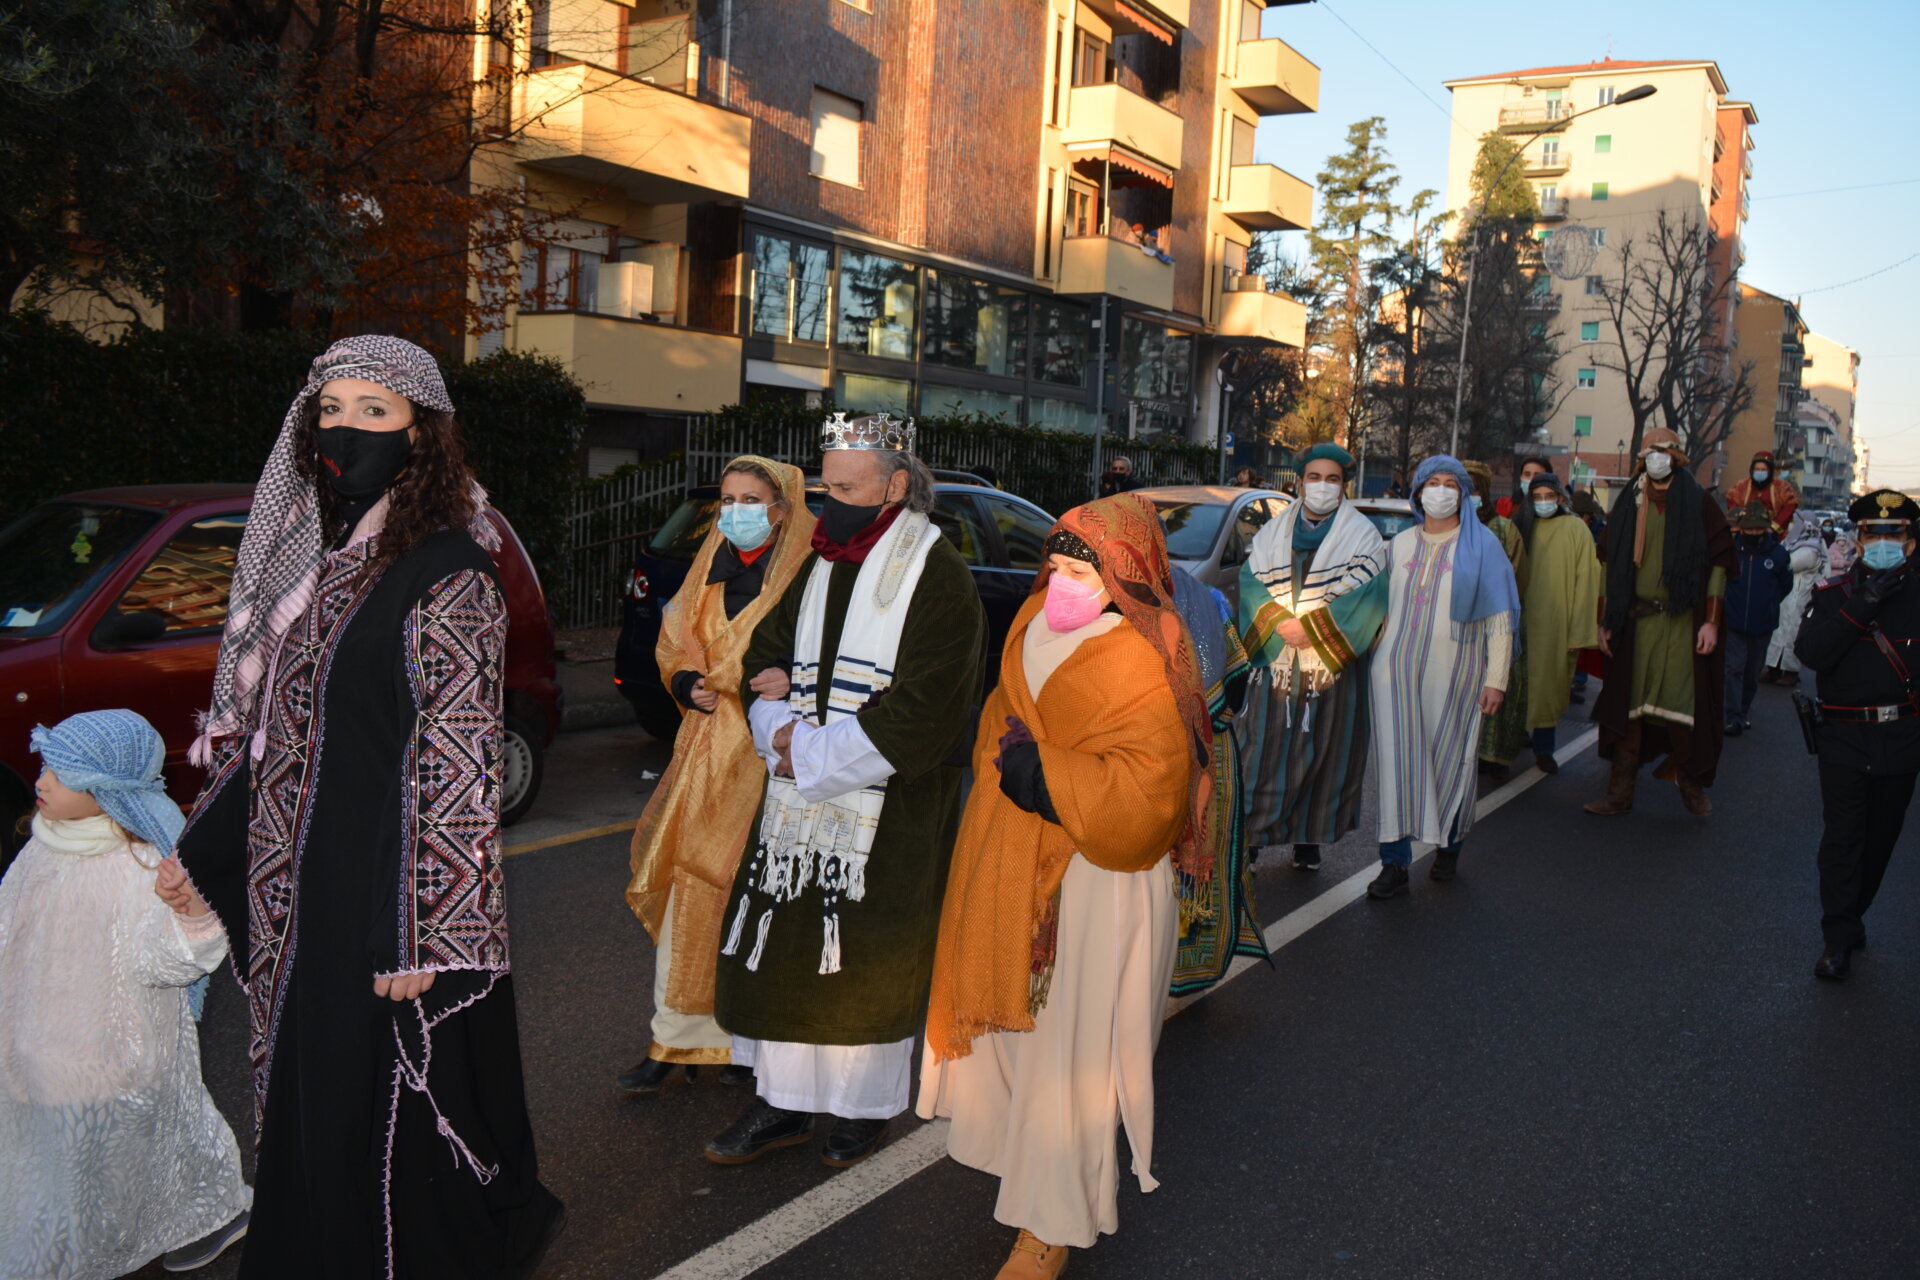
x=1210, y=527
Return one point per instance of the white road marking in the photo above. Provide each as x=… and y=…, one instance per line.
x=805, y=1216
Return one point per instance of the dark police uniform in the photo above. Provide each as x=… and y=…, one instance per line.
x=1869, y=736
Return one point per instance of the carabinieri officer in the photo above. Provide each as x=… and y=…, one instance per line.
x=1862, y=636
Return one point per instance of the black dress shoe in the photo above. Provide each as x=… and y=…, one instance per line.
x=760, y=1128
x=1306, y=857
x=733, y=1075
x=1446, y=865
x=1835, y=964
x=1545, y=762
x=1390, y=883
x=651, y=1076
x=852, y=1141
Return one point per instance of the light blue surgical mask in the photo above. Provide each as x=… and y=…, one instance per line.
x=745, y=524
x=1476, y=502
x=1546, y=508
x=1884, y=554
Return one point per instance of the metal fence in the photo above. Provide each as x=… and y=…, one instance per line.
x=611, y=517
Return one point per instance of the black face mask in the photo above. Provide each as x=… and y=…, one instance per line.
x=361, y=464
x=842, y=521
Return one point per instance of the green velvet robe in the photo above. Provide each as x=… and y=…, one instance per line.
x=1561, y=612
x=887, y=938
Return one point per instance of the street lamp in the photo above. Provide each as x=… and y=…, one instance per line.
x=1620, y=459
x=1473, y=246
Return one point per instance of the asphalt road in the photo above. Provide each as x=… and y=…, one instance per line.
x=1599, y=1052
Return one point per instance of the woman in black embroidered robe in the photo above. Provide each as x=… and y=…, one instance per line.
x=349, y=832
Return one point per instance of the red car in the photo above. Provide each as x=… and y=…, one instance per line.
x=116, y=597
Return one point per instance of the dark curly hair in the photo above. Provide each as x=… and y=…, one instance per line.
x=434, y=492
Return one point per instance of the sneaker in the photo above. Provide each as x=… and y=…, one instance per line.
x=192, y=1257
x=761, y=1128
x=1390, y=883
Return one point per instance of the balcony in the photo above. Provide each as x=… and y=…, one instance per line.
x=1264, y=197
x=1535, y=117
x=1099, y=113
x=1275, y=80
x=1178, y=13
x=1553, y=208
x=1101, y=264
x=1251, y=315
x=634, y=364
x=653, y=144
x=1540, y=302
x=1547, y=163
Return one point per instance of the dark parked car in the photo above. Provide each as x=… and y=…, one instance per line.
x=1003, y=539
x=116, y=598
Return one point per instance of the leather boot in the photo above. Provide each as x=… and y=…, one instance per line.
x=1619, y=797
x=1692, y=794
x=1033, y=1259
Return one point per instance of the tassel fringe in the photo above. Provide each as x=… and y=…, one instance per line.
x=830, y=944
x=760, y=940
x=739, y=923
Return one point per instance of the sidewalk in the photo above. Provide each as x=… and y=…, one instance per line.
x=586, y=678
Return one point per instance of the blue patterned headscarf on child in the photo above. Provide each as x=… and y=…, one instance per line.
x=115, y=757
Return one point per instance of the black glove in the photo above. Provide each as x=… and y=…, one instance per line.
x=1024, y=782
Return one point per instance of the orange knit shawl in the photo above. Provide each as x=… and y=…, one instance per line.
x=1118, y=764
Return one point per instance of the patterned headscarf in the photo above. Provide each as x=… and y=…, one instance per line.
x=281, y=550
x=1124, y=534
x=115, y=757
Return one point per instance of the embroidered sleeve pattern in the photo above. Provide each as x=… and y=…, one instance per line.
x=452, y=902
x=1328, y=640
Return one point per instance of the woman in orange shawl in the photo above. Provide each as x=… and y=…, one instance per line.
x=690, y=837
x=1058, y=930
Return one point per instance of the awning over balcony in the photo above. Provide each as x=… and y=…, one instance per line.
x=1133, y=171
x=1144, y=24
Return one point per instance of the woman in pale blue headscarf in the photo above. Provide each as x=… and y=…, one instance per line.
x=1441, y=664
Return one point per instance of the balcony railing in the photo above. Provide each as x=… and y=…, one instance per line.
x=1274, y=79
x=653, y=144
x=1264, y=197
x=1102, y=264
x=631, y=362
x=1537, y=117
x=1548, y=162
x=1553, y=208
x=1111, y=113
x=1256, y=316
x=1540, y=302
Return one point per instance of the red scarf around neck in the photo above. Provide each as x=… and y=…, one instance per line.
x=855, y=549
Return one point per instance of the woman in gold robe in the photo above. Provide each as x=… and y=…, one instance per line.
x=690, y=837
x=1057, y=934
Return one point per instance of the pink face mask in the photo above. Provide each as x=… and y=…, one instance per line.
x=1071, y=604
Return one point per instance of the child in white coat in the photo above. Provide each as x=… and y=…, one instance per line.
x=111, y=1150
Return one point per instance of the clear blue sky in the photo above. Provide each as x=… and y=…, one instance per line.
x=1830, y=82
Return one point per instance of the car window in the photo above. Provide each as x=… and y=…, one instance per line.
x=1390, y=522
x=1190, y=526
x=1022, y=530
x=959, y=523
x=188, y=582
x=1251, y=517
x=52, y=558
x=680, y=537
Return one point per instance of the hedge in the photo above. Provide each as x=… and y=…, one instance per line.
x=195, y=406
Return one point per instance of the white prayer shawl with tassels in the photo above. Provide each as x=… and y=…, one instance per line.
x=826, y=842
x=1346, y=560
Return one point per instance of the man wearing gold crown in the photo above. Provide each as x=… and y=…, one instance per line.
x=1862, y=638
x=869, y=679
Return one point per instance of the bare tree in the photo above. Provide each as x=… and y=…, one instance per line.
x=1673, y=356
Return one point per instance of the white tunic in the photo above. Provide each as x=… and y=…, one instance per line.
x=1428, y=673
x=111, y=1150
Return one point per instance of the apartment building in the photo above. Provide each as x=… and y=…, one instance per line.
x=1772, y=338
x=1831, y=379
x=1036, y=209
x=1686, y=150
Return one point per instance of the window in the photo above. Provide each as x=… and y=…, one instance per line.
x=1249, y=521
x=565, y=275
x=836, y=138
x=1059, y=72
x=1063, y=344
x=935, y=398
x=1596, y=286
x=860, y=393
x=1061, y=415
x=1599, y=191
x=954, y=516
x=1022, y=531
x=789, y=286
x=1550, y=153
x=1542, y=285
x=1606, y=94
x=1598, y=235
x=1091, y=61
x=1548, y=192
x=1586, y=380
x=1589, y=331
x=1083, y=208
x=1155, y=362
x=1603, y=144
x=877, y=305
x=187, y=583
x=971, y=324
x=1583, y=425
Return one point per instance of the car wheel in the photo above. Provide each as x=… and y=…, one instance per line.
x=521, y=764
x=658, y=714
